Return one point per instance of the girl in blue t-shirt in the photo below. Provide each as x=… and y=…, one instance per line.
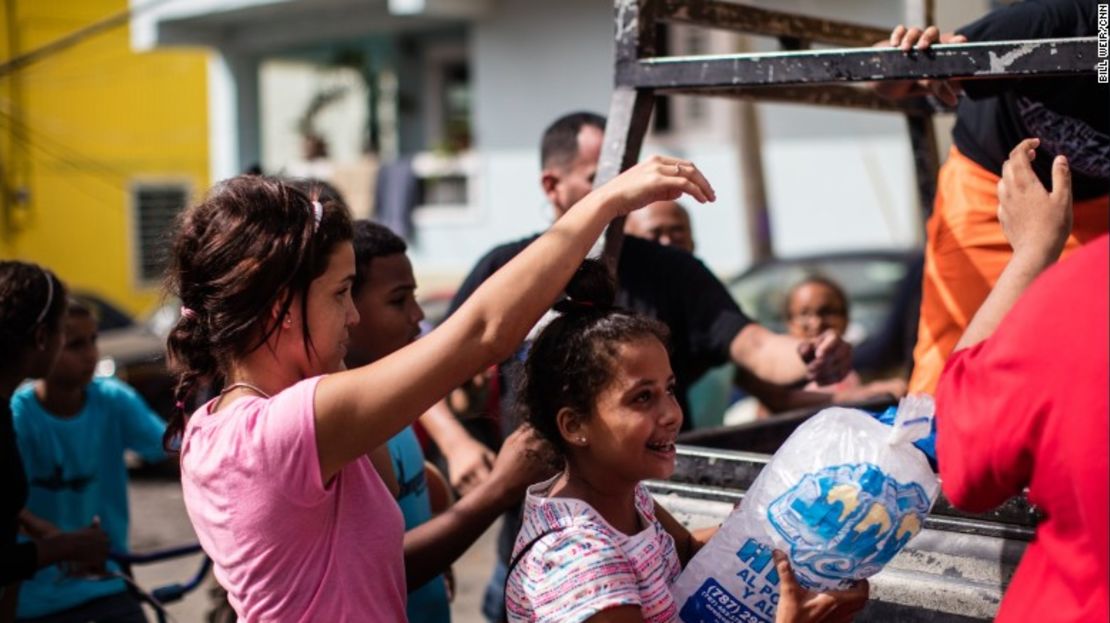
x=72, y=431
x=32, y=301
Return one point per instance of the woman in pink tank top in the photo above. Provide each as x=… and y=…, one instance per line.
x=275, y=470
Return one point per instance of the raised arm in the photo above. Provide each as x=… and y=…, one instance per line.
x=468, y=460
x=360, y=409
x=985, y=424
x=784, y=360
x=1037, y=224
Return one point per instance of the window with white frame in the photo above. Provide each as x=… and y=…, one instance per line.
x=156, y=205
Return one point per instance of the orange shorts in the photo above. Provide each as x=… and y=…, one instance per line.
x=965, y=252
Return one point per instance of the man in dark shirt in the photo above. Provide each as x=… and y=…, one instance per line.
x=707, y=327
x=966, y=249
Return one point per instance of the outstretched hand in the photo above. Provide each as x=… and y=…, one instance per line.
x=469, y=463
x=798, y=605
x=947, y=91
x=659, y=178
x=1035, y=221
x=828, y=358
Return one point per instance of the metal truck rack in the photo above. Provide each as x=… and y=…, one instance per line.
x=958, y=567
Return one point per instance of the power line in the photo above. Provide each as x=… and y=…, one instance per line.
x=81, y=34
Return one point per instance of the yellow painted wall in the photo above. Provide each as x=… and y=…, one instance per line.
x=78, y=128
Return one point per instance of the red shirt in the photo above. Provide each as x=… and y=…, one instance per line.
x=1028, y=408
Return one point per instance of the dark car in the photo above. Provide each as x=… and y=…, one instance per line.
x=884, y=292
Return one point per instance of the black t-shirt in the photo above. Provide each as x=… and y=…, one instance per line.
x=1071, y=115
x=17, y=561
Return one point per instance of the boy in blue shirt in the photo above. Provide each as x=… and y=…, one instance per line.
x=72, y=431
x=389, y=319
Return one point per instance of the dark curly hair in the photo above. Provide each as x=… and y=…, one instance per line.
x=30, y=296
x=252, y=243
x=574, y=357
x=372, y=240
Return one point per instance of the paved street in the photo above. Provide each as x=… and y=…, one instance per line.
x=158, y=520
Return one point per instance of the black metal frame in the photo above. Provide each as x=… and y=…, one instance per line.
x=818, y=77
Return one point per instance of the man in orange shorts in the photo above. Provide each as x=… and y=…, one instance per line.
x=966, y=250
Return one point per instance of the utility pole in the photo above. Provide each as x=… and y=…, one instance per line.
x=757, y=215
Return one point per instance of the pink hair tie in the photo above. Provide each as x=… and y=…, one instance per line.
x=188, y=313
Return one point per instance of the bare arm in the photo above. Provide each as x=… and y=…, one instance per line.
x=779, y=398
x=783, y=360
x=1037, y=224
x=468, y=460
x=686, y=543
x=360, y=409
x=433, y=546
x=36, y=527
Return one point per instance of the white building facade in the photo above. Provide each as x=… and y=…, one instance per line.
x=467, y=86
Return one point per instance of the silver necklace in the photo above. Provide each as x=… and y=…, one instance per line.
x=245, y=385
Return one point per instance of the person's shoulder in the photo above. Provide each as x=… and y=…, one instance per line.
x=577, y=540
x=23, y=394
x=111, y=388
x=503, y=253
x=24, y=404
x=640, y=252
x=1073, y=280
x=644, y=502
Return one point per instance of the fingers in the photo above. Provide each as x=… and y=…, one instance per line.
x=825, y=342
x=807, y=350
x=945, y=90
x=693, y=183
x=832, y=359
x=909, y=38
x=788, y=584
x=849, y=602
x=697, y=178
x=1061, y=179
x=1025, y=150
x=928, y=38
x=896, y=35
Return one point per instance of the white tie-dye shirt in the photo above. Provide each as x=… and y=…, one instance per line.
x=582, y=565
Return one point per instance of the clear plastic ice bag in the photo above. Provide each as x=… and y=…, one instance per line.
x=841, y=497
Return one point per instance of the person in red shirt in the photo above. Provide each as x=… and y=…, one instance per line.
x=1023, y=401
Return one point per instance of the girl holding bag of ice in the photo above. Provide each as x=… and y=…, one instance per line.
x=594, y=546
